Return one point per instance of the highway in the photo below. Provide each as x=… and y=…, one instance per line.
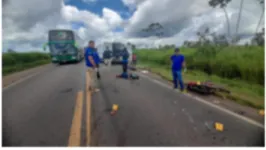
x=54, y=108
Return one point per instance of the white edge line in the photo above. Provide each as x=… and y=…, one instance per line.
x=20, y=80
x=210, y=104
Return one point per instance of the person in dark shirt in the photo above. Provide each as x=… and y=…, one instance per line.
x=125, y=56
x=107, y=57
x=178, y=63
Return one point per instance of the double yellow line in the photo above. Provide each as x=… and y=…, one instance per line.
x=75, y=131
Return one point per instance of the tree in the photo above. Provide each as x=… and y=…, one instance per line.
x=239, y=16
x=236, y=37
x=154, y=29
x=258, y=39
x=11, y=50
x=261, y=2
x=222, y=4
x=203, y=36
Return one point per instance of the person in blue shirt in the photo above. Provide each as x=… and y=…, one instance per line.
x=91, y=63
x=125, y=56
x=178, y=63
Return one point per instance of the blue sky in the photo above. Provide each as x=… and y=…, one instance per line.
x=96, y=6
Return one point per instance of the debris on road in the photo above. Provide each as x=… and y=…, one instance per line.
x=219, y=126
x=132, y=68
x=206, y=87
x=216, y=102
x=131, y=76
x=145, y=71
x=261, y=112
x=114, y=109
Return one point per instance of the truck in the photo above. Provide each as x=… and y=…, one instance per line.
x=117, y=49
x=65, y=46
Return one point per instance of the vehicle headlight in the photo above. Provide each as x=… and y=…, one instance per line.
x=73, y=57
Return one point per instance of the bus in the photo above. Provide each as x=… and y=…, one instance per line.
x=65, y=46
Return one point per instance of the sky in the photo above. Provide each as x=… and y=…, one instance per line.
x=26, y=23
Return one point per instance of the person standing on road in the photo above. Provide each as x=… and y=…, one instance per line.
x=178, y=63
x=107, y=57
x=125, y=57
x=90, y=57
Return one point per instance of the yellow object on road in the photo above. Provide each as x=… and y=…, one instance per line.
x=261, y=112
x=115, y=107
x=219, y=126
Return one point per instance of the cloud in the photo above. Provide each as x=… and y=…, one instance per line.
x=89, y=1
x=132, y=4
x=112, y=18
x=31, y=27
x=25, y=25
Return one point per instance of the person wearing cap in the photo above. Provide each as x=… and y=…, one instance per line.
x=178, y=63
x=90, y=59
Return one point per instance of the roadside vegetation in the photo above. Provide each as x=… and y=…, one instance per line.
x=14, y=62
x=216, y=57
x=240, y=69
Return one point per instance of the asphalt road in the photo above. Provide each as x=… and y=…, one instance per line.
x=46, y=111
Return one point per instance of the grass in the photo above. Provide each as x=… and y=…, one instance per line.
x=236, y=62
x=246, y=90
x=15, y=62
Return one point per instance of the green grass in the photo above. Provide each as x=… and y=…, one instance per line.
x=236, y=62
x=245, y=89
x=15, y=62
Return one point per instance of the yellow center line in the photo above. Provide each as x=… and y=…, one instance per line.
x=75, y=131
x=88, y=110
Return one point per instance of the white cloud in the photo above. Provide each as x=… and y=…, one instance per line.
x=112, y=18
x=89, y=1
x=26, y=24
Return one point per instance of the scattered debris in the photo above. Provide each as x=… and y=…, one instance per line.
x=114, y=109
x=216, y=102
x=131, y=76
x=145, y=71
x=241, y=112
x=261, y=112
x=219, y=126
x=206, y=87
x=198, y=82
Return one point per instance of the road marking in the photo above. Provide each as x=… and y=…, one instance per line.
x=75, y=131
x=88, y=110
x=229, y=112
x=22, y=79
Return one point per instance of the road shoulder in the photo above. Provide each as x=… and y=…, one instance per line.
x=15, y=77
x=245, y=111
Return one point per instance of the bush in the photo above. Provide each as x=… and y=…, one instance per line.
x=10, y=59
x=235, y=62
x=13, y=62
